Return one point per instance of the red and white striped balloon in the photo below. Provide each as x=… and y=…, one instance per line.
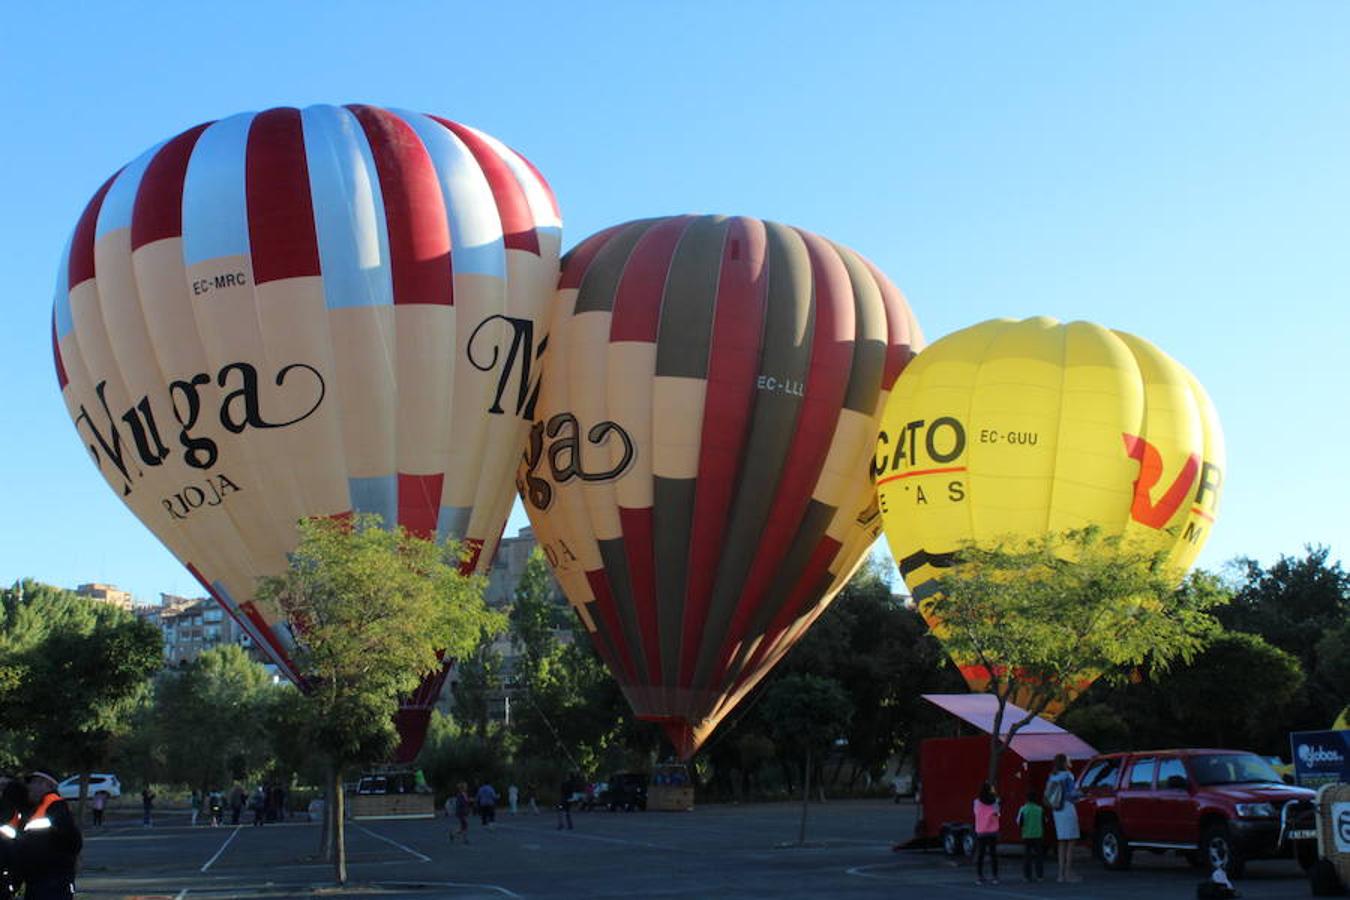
x=307, y=312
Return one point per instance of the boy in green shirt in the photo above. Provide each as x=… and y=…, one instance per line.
x=1031, y=819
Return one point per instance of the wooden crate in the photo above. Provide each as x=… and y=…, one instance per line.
x=670, y=798
x=391, y=806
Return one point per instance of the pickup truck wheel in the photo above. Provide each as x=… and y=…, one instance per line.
x=951, y=842
x=968, y=843
x=1111, y=846
x=1217, y=845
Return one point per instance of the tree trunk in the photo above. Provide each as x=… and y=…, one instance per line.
x=996, y=745
x=806, y=795
x=326, y=832
x=84, y=797
x=339, y=827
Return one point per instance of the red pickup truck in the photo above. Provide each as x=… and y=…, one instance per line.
x=1219, y=807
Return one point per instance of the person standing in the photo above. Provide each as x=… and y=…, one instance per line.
x=100, y=803
x=459, y=804
x=236, y=803
x=49, y=842
x=1031, y=822
x=565, y=803
x=1061, y=793
x=532, y=797
x=986, y=810
x=259, y=806
x=487, y=804
x=13, y=808
x=196, y=805
x=513, y=797
x=147, y=804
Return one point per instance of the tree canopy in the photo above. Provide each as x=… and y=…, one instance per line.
x=1300, y=605
x=374, y=609
x=211, y=718
x=73, y=672
x=1046, y=616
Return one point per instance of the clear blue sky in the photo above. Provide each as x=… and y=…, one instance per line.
x=1180, y=171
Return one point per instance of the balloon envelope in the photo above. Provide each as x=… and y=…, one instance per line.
x=697, y=468
x=300, y=313
x=1016, y=429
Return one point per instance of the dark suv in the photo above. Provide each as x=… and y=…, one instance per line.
x=1219, y=807
x=625, y=791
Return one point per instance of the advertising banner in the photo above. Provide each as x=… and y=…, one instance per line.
x=1320, y=757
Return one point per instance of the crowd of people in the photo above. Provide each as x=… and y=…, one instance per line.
x=463, y=804
x=1061, y=792
x=267, y=803
x=1061, y=795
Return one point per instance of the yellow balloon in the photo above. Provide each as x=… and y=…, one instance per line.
x=1015, y=429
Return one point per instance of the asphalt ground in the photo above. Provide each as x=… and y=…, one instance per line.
x=716, y=851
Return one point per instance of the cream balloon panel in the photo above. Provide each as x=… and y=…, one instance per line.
x=267, y=321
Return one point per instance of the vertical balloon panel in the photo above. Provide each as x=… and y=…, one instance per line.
x=697, y=467
x=311, y=312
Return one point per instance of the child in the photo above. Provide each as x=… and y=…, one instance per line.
x=460, y=804
x=986, y=832
x=1031, y=818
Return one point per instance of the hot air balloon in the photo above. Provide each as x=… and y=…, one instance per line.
x=697, y=467
x=1019, y=429
x=308, y=312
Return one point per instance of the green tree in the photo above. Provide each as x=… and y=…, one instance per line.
x=211, y=717
x=288, y=724
x=882, y=654
x=373, y=608
x=478, y=682
x=1294, y=604
x=1333, y=664
x=77, y=672
x=1049, y=614
x=574, y=712
x=1233, y=692
x=534, y=617
x=809, y=714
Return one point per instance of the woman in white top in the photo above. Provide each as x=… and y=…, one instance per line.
x=1061, y=780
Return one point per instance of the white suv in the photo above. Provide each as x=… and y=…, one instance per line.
x=99, y=783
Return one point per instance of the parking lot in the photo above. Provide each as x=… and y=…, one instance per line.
x=716, y=851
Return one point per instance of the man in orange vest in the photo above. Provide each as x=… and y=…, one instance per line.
x=13, y=807
x=49, y=842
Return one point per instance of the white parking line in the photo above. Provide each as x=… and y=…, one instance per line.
x=233, y=834
x=594, y=837
x=422, y=857
x=984, y=890
x=181, y=894
x=466, y=884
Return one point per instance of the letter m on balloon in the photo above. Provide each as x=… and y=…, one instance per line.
x=1143, y=509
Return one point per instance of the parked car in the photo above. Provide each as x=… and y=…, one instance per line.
x=1219, y=807
x=99, y=783
x=625, y=791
